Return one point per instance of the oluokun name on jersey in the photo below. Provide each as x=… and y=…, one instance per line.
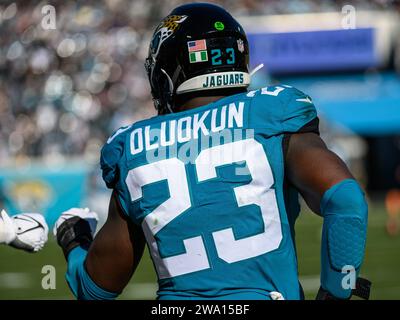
x=187, y=128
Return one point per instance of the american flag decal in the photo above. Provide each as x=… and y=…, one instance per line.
x=197, y=45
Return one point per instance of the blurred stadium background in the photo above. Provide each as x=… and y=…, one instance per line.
x=63, y=91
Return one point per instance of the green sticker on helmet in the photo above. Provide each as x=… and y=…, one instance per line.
x=219, y=25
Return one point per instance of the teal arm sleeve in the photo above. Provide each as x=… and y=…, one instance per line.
x=344, y=232
x=80, y=283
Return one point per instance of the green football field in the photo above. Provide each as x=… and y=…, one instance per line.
x=21, y=273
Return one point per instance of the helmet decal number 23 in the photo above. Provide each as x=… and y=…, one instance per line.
x=216, y=55
x=257, y=192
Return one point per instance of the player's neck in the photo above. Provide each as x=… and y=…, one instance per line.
x=198, y=102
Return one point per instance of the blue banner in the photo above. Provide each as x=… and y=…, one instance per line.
x=311, y=51
x=366, y=104
x=40, y=189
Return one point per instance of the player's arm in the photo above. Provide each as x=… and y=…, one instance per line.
x=116, y=250
x=101, y=268
x=312, y=168
x=330, y=190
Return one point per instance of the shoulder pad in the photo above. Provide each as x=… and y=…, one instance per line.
x=299, y=113
x=111, y=154
x=283, y=108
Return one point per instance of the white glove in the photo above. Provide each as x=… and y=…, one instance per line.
x=7, y=228
x=86, y=214
x=26, y=231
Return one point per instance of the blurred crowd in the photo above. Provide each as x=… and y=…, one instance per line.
x=63, y=91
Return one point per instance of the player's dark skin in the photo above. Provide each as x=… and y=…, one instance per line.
x=118, y=247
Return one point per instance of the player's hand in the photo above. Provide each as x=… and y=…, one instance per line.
x=7, y=230
x=26, y=231
x=75, y=227
x=361, y=290
x=90, y=216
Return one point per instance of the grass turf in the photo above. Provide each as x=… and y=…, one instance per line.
x=21, y=273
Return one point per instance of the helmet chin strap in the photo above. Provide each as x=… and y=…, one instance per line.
x=256, y=69
x=171, y=88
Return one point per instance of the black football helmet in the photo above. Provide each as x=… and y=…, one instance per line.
x=197, y=47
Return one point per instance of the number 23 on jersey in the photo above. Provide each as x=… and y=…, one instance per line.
x=257, y=192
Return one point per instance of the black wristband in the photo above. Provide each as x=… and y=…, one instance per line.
x=72, y=233
x=325, y=295
x=362, y=290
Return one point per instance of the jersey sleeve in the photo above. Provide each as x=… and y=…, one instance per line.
x=282, y=109
x=299, y=114
x=111, y=154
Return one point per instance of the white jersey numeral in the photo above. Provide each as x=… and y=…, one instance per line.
x=274, y=93
x=172, y=170
x=258, y=192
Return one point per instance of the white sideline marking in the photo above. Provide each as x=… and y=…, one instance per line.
x=15, y=280
x=145, y=290
x=310, y=283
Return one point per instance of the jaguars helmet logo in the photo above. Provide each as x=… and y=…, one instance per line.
x=172, y=22
x=166, y=29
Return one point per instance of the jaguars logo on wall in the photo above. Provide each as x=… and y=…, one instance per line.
x=30, y=195
x=165, y=29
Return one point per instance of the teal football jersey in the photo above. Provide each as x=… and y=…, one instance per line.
x=208, y=188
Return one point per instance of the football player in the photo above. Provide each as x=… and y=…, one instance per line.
x=212, y=182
